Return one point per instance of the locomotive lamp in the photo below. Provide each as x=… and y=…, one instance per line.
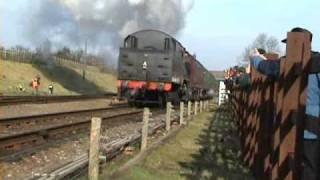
x=144, y=68
x=145, y=72
x=144, y=65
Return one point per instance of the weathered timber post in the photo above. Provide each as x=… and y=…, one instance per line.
x=205, y=105
x=195, y=107
x=4, y=55
x=189, y=109
x=198, y=107
x=144, y=132
x=94, y=148
x=181, y=112
x=168, y=116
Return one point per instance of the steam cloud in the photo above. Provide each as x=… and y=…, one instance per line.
x=104, y=23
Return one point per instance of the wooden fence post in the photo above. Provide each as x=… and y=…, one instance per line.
x=198, y=107
x=168, y=116
x=195, y=107
x=207, y=105
x=189, y=109
x=181, y=112
x=293, y=98
x=203, y=106
x=94, y=148
x=4, y=54
x=144, y=132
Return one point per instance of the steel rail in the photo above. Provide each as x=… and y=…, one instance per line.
x=11, y=144
x=13, y=100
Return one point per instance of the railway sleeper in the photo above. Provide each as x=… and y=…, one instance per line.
x=34, y=124
x=19, y=143
x=29, y=123
x=67, y=131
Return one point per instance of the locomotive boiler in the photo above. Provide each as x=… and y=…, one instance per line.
x=153, y=67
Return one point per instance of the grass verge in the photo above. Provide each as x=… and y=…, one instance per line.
x=66, y=77
x=207, y=148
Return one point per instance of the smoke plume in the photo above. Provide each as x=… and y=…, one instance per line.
x=103, y=23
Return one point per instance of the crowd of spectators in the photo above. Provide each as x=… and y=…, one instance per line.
x=237, y=75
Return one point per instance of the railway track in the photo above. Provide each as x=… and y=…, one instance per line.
x=75, y=168
x=12, y=100
x=24, y=134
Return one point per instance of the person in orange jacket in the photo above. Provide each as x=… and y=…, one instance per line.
x=35, y=85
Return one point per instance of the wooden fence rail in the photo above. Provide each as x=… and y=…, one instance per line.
x=270, y=114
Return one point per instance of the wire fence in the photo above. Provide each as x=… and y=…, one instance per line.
x=25, y=56
x=18, y=56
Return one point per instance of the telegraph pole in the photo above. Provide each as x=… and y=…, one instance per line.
x=85, y=60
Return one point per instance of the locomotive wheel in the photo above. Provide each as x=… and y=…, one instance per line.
x=174, y=97
x=131, y=103
x=138, y=104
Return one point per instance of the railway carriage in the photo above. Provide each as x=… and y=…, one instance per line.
x=155, y=68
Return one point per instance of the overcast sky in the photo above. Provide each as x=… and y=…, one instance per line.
x=216, y=30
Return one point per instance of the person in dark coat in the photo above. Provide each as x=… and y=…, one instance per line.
x=311, y=156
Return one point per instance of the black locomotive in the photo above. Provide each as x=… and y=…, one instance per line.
x=155, y=68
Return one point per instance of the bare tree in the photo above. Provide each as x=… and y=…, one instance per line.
x=244, y=57
x=260, y=41
x=272, y=45
x=268, y=43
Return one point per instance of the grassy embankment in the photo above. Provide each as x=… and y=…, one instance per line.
x=207, y=148
x=66, y=78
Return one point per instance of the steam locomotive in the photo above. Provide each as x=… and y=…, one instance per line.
x=154, y=67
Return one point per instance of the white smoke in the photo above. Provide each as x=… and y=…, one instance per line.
x=103, y=23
